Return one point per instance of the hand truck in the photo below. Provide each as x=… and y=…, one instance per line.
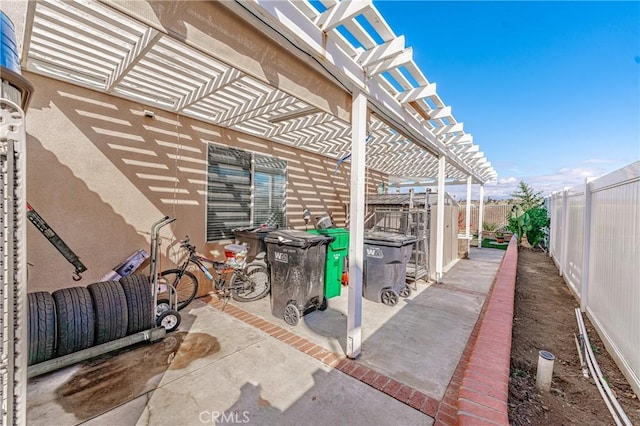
x=167, y=318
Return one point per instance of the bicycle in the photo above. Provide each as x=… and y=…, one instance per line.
x=244, y=282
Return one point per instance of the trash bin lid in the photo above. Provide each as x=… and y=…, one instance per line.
x=384, y=238
x=253, y=231
x=331, y=231
x=296, y=238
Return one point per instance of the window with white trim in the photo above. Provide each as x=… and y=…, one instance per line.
x=243, y=189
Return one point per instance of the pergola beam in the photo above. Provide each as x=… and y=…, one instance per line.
x=393, y=62
x=142, y=46
x=340, y=13
x=381, y=52
x=417, y=93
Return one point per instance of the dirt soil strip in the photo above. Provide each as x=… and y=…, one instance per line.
x=544, y=319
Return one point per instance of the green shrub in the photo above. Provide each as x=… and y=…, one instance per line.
x=539, y=220
x=533, y=223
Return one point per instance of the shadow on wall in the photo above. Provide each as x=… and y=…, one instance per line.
x=79, y=216
x=101, y=172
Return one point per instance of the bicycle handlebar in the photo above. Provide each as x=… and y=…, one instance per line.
x=185, y=244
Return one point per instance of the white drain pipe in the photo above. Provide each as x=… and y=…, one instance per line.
x=602, y=385
x=545, y=370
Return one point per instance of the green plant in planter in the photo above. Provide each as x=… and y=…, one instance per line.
x=489, y=226
x=532, y=222
x=539, y=221
x=519, y=222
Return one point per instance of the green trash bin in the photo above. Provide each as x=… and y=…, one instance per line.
x=334, y=264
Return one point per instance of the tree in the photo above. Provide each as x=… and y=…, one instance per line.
x=528, y=217
x=527, y=197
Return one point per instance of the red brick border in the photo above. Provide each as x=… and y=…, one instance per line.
x=483, y=389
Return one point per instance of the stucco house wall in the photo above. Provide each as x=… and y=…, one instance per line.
x=100, y=173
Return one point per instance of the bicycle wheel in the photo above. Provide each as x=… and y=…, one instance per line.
x=251, y=285
x=185, y=283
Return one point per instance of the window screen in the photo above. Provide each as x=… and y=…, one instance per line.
x=228, y=191
x=269, y=191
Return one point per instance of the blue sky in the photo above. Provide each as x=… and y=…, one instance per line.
x=549, y=90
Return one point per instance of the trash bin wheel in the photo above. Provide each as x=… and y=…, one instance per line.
x=406, y=291
x=291, y=314
x=389, y=297
x=323, y=305
x=169, y=319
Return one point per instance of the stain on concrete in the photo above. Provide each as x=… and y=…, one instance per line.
x=111, y=380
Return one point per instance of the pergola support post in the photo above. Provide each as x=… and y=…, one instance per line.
x=356, y=231
x=467, y=225
x=440, y=220
x=481, y=216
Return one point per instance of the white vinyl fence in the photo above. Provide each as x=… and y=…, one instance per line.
x=595, y=242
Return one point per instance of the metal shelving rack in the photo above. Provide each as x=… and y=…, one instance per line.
x=13, y=289
x=412, y=221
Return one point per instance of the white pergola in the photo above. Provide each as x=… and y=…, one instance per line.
x=119, y=48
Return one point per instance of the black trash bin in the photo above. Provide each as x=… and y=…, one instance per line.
x=296, y=261
x=385, y=266
x=253, y=237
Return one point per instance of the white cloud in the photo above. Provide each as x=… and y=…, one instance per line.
x=547, y=183
x=508, y=181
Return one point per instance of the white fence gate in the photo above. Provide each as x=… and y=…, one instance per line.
x=595, y=242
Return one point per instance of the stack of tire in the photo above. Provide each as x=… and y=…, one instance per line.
x=76, y=318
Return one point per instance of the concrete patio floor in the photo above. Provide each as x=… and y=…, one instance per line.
x=243, y=365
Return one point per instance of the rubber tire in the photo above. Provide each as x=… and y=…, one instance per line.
x=291, y=314
x=189, y=295
x=169, y=313
x=324, y=304
x=137, y=291
x=110, y=306
x=405, y=292
x=75, y=320
x=389, y=297
x=42, y=327
x=252, y=269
